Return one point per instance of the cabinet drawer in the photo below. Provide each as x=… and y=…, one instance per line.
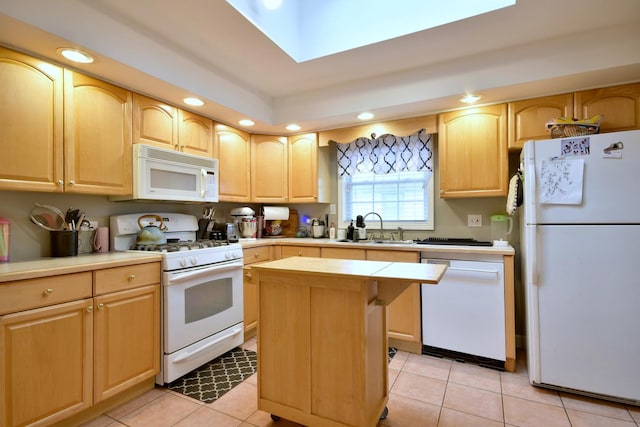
x=41, y=292
x=127, y=277
x=259, y=254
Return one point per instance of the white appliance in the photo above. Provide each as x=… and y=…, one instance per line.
x=463, y=317
x=580, y=234
x=202, y=308
x=160, y=174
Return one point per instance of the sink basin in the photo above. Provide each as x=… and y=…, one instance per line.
x=380, y=242
x=392, y=242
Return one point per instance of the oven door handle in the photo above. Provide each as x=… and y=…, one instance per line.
x=177, y=278
x=234, y=331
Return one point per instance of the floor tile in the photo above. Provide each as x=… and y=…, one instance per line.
x=393, y=375
x=263, y=419
x=101, y=421
x=417, y=387
x=207, y=417
x=163, y=411
x=519, y=386
x=475, y=401
x=585, y=419
x=407, y=412
x=126, y=408
x=527, y=413
x=475, y=376
x=595, y=406
x=398, y=360
x=240, y=402
x=428, y=366
x=453, y=418
x=635, y=413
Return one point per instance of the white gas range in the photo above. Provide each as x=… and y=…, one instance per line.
x=202, y=308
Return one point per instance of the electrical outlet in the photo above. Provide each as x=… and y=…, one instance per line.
x=332, y=209
x=474, y=220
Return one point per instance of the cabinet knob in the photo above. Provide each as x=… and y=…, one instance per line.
x=131, y=277
x=60, y=182
x=299, y=253
x=249, y=275
x=100, y=306
x=255, y=255
x=89, y=309
x=441, y=191
x=48, y=291
x=72, y=182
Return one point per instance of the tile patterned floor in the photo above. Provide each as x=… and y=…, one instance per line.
x=425, y=391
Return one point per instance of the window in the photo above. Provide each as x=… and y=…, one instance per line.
x=390, y=176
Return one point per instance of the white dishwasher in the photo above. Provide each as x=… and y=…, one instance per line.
x=463, y=316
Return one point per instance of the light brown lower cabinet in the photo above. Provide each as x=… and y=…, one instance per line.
x=403, y=314
x=59, y=357
x=250, y=288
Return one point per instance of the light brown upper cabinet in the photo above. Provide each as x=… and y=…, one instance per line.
x=163, y=125
x=528, y=118
x=619, y=106
x=97, y=136
x=31, y=120
x=303, y=168
x=473, y=152
x=233, y=151
x=269, y=175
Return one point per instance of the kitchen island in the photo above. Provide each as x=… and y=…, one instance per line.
x=322, y=343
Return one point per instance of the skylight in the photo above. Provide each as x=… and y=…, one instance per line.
x=310, y=29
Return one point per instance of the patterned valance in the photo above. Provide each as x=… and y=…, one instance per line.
x=386, y=154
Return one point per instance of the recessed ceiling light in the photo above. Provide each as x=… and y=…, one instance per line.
x=365, y=116
x=293, y=127
x=195, y=102
x=246, y=122
x=76, y=55
x=470, y=98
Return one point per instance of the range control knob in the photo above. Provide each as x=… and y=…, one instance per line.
x=194, y=260
x=183, y=262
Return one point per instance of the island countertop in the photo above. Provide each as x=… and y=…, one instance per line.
x=398, y=272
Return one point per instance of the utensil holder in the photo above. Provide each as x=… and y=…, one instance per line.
x=64, y=243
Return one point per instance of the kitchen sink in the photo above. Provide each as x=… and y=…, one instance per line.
x=380, y=242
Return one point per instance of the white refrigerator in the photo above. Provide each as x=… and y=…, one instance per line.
x=580, y=245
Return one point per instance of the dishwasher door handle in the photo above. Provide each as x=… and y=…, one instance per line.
x=473, y=270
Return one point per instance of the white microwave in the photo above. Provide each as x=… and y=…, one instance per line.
x=160, y=174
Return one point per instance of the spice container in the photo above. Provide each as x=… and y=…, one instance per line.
x=5, y=229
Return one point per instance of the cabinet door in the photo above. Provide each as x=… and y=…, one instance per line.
x=196, y=134
x=269, y=169
x=528, y=118
x=619, y=106
x=46, y=363
x=403, y=314
x=250, y=299
x=232, y=149
x=473, y=152
x=97, y=136
x=154, y=123
x=31, y=103
x=127, y=339
x=303, y=168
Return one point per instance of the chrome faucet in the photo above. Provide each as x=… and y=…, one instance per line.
x=381, y=227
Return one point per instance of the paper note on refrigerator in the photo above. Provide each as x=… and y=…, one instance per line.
x=561, y=181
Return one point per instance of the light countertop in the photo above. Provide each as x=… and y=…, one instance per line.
x=41, y=267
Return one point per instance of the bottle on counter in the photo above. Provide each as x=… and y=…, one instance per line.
x=332, y=231
x=350, y=231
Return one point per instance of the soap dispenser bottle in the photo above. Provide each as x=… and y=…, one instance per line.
x=350, y=231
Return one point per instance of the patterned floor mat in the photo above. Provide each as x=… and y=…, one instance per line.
x=211, y=381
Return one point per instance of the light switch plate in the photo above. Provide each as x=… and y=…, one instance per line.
x=474, y=220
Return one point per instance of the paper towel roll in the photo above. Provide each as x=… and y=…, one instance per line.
x=275, y=212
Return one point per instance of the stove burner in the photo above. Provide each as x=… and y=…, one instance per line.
x=181, y=246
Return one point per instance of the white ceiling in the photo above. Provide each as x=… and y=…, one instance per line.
x=171, y=49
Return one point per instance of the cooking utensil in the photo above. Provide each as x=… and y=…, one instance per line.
x=48, y=217
x=151, y=234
